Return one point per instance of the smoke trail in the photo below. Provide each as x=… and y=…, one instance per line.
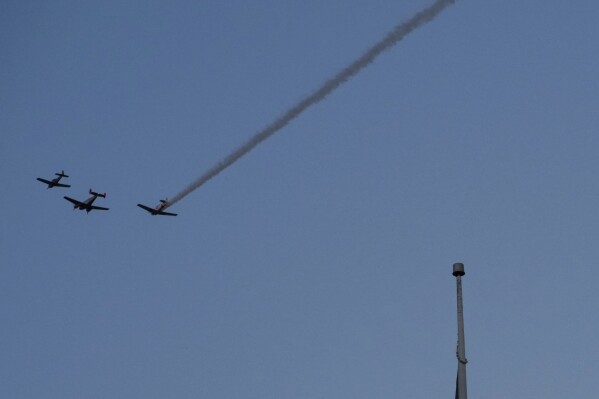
x=397, y=34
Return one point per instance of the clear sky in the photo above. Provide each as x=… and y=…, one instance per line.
x=319, y=265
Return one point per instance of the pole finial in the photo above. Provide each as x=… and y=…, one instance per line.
x=458, y=269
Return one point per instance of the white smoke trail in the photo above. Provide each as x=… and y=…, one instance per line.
x=397, y=34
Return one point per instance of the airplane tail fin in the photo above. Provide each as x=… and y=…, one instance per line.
x=61, y=174
x=92, y=192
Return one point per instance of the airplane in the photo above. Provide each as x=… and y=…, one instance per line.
x=158, y=210
x=87, y=205
x=56, y=181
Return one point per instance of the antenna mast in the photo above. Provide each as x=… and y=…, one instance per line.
x=461, y=391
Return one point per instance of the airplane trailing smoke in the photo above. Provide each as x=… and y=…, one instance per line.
x=397, y=34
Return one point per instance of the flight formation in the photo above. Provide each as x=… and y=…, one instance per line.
x=88, y=204
x=391, y=39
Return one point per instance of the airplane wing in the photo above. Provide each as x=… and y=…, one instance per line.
x=166, y=213
x=99, y=208
x=74, y=201
x=62, y=185
x=48, y=182
x=147, y=208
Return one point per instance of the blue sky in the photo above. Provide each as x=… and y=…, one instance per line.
x=319, y=265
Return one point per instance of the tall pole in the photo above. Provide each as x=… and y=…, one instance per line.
x=461, y=391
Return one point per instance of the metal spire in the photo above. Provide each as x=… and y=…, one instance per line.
x=461, y=391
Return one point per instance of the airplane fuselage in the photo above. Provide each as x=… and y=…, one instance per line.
x=54, y=182
x=158, y=209
x=87, y=204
